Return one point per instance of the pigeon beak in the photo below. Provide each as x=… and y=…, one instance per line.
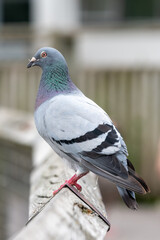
x=32, y=62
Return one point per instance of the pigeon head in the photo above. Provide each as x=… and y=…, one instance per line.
x=55, y=77
x=47, y=57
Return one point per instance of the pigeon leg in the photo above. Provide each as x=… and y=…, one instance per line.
x=72, y=181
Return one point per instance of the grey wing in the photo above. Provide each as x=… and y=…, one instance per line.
x=80, y=125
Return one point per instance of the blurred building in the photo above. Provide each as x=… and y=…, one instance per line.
x=126, y=31
x=113, y=51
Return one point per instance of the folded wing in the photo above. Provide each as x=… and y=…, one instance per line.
x=83, y=131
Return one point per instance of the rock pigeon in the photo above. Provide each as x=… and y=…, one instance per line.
x=80, y=131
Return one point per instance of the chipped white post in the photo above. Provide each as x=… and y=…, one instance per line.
x=65, y=216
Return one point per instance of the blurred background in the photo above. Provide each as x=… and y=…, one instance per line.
x=113, y=51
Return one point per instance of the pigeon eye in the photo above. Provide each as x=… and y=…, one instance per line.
x=43, y=54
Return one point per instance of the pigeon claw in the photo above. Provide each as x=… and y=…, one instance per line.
x=79, y=188
x=68, y=182
x=72, y=181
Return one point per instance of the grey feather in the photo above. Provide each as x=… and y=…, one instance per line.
x=128, y=197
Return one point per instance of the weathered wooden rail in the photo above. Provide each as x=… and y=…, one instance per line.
x=65, y=216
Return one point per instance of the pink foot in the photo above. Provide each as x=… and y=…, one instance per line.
x=72, y=181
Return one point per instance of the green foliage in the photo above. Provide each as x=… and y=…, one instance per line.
x=134, y=141
x=139, y=9
x=148, y=199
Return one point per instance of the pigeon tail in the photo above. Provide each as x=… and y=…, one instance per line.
x=128, y=197
x=131, y=171
x=111, y=168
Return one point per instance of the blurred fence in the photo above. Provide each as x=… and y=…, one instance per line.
x=18, y=86
x=131, y=97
